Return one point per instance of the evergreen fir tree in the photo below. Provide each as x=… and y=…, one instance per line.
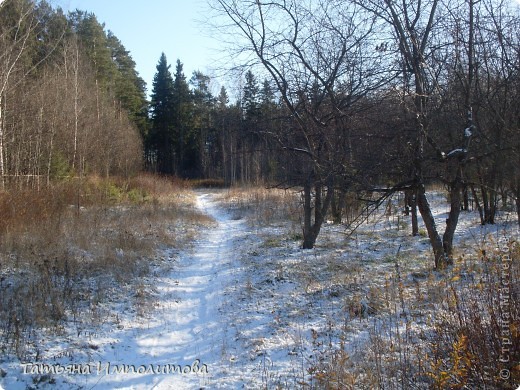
x=250, y=104
x=267, y=104
x=161, y=138
x=223, y=99
x=185, y=141
x=266, y=94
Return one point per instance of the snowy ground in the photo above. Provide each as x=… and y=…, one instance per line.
x=246, y=308
x=187, y=328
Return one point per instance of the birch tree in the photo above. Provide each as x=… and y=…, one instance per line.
x=15, y=32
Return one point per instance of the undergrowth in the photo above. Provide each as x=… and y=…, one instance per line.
x=66, y=250
x=456, y=330
x=262, y=206
x=383, y=320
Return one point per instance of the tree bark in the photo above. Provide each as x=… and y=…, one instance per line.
x=453, y=217
x=477, y=203
x=465, y=194
x=415, y=222
x=441, y=260
x=2, y=167
x=337, y=205
x=410, y=199
x=312, y=230
x=308, y=240
x=518, y=205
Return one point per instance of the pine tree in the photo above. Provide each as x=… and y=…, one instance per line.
x=203, y=123
x=249, y=139
x=160, y=142
x=224, y=140
x=185, y=141
x=223, y=99
x=95, y=43
x=250, y=105
x=130, y=88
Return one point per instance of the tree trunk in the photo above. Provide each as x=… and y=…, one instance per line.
x=492, y=206
x=453, y=217
x=465, y=194
x=337, y=204
x=76, y=105
x=415, y=222
x=486, y=203
x=407, y=203
x=441, y=260
x=308, y=239
x=312, y=230
x=518, y=205
x=477, y=203
x=2, y=167
x=410, y=199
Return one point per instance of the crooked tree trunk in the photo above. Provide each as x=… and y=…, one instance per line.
x=312, y=230
x=441, y=260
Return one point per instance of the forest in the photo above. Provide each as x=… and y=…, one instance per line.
x=364, y=99
x=361, y=98
x=348, y=104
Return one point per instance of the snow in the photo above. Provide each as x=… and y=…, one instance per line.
x=186, y=326
x=456, y=152
x=247, y=308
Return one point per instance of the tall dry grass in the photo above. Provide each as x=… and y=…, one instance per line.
x=457, y=330
x=263, y=206
x=65, y=249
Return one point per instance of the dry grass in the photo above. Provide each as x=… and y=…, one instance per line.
x=65, y=249
x=387, y=322
x=457, y=330
x=263, y=206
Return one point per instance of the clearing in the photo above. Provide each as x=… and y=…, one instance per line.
x=245, y=307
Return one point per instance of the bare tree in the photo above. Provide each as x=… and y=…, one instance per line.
x=322, y=63
x=422, y=44
x=497, y=112
x=14, y=38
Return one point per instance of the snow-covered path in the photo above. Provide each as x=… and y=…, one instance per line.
x=186, y=328
x=199, y=330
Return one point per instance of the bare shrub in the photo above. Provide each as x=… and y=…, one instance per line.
x=475, y=341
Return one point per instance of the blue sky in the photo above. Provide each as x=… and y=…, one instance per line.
x=148, y=28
